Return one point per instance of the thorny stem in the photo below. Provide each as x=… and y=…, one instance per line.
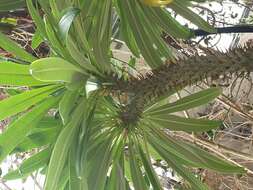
x=175, y=76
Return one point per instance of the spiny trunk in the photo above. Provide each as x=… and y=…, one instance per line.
x=177, y=75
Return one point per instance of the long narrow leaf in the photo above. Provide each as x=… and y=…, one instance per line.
x=67, y=104
x=61, y=149
x=177, y=123
x=188, y=102
x=195, y=183
x=66, y=22
x=149, y=170
x=14, y=48
x=17, y=75
x=30, y=165
x=21, y=102
x=136, y=173
x=17, y=131
x=193, y=154
x=182, y=9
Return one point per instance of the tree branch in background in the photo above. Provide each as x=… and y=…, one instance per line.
x=226, y=30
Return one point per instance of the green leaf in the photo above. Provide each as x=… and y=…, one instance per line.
x=55, y=40
x=175, y=164
x=136, y=173
x=61, y=149
x=177, y=123
x=7, y=5
x=97, y=173
x=127, y=33
x=17, y=130
x=39, y=136
x=36, y=18
x=9, y=21
x=64, y=181
x=55, y=69
x=188, y=102
x=67, y=104
x=66, y=21
x=17, y=75
x=37, y=39
x=181, y=8
x=13, y=175
x=147, y=37
x=101, y=34
x=12, y=47
x=21, y=102
x=75, y=179
x=168, y=151
x=116, y=179
x=149, y=169
x=170, y=25
x=30, y=165
x=79, y=56
x=191, y=155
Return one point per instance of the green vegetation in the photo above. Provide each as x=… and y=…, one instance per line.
x=107, y=138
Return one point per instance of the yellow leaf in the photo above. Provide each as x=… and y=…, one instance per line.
x=156, y=2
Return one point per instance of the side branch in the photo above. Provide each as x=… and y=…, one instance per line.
x=185, y=72
x=176, y=75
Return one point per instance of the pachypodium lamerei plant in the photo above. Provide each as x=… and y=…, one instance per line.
x=108, y=137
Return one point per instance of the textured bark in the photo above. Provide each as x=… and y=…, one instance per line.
x=185, y=72
x=175, y=75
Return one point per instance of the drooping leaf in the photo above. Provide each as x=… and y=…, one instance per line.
x=136, y=173
x=101, y=34
x=11, y=46
x=64, y=181
x=182, y=9
x=39, y=136
x=17, y=130
x=34, y=12
x=67, y=104
x=67, y=20
x=75, y=177
x=190, y=154
x=97, y=172
x=170, y=25
x=18, y=103
x=148, y=39
x=37, y=39
x=30, y=165
x=62, y=147
x=193, y=181
x=151, y=174
x=117, y=179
